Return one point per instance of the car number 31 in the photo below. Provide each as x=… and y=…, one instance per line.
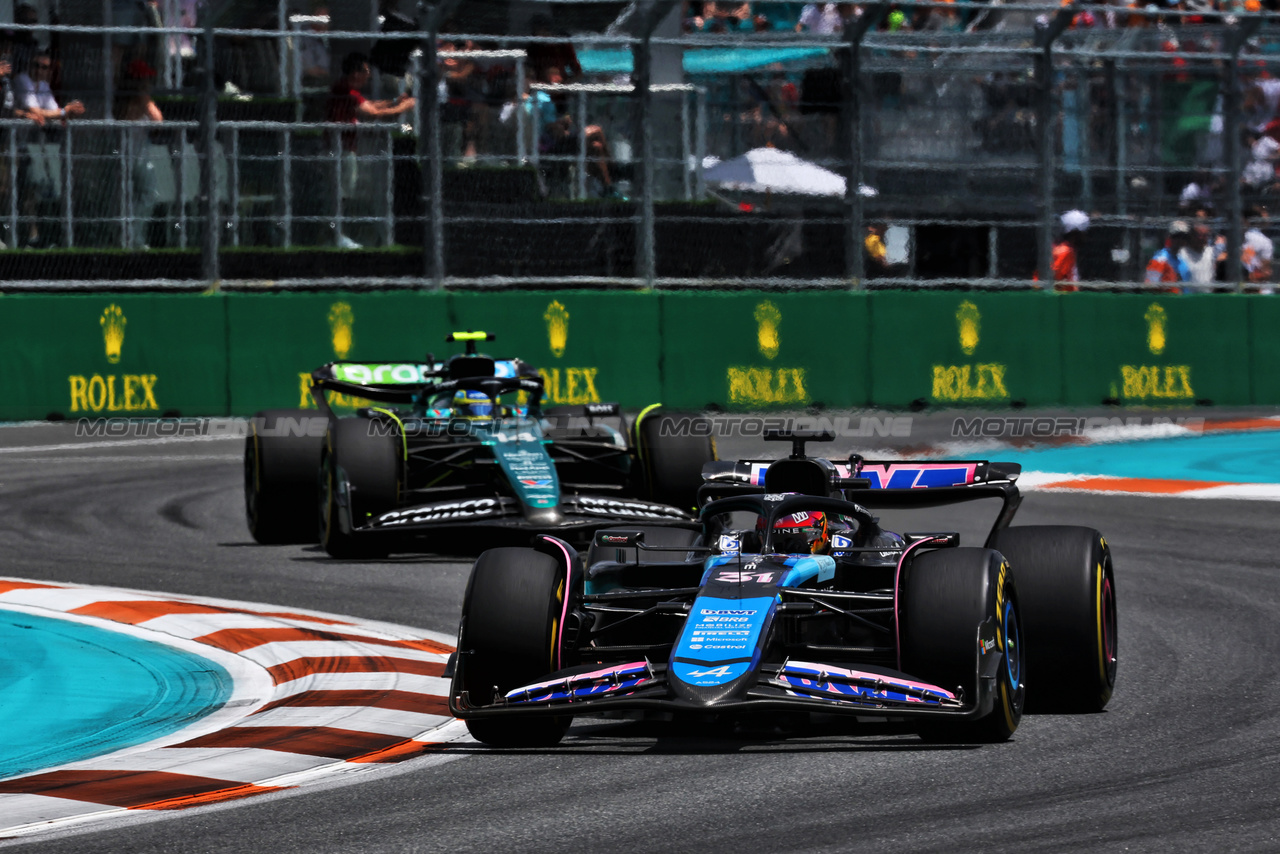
x=747, y=577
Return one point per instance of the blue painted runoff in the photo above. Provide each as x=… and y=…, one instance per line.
x=1246, y=457
x=70, y=691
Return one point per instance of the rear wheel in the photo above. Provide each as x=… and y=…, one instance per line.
x=511, y=636
x=281, y=459
x=672, y=449
x=370, y=462
x=1067, y=585
x=945, y=596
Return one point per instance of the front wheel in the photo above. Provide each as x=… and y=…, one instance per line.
x=1068, y=592
x=512, y=622
x=368, y=460
x=946, y=596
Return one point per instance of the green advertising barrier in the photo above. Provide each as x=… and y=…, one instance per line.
x=1264, y=349
x=591, y=346
x=1148, y=349
x=760, y=350
x=963, y=348
x=277, y=339
x=108, y=355
x=147, y=355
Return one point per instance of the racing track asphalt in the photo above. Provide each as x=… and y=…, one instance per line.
x=1186, y=757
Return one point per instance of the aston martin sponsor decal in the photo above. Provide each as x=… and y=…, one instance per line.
x=472, y=508
x=595, y=506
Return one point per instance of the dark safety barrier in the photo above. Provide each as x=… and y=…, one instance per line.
x=153, y=355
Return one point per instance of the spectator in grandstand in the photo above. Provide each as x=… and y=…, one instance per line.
x=1066, y=267
x=1259, y=175
x=34, y=100
x=720, y=17
x=543, y=56
x=348, y=106
x=464, y=107
x=875, y=251
x=1167, y=266
x=941, y=19
x=1009, y=123
x=564, y=143
x=313, y=49
x=1261, y=102
x=6, y=87
x=1202, y=254
x=822, y=19
x=774, y=109
x=135, y=104
x=24, y=43
x=1258, y=250
x=1199, y=194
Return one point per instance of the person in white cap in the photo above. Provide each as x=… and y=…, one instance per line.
x=1065, y=265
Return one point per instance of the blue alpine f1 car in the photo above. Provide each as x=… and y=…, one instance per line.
x=786, y=594
x=433, y=447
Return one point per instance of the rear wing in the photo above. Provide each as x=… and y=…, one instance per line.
x=858, y=473
x=411, y=382
x=882, y=484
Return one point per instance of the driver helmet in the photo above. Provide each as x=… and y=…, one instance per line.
x=472, y=404
x=802, y=532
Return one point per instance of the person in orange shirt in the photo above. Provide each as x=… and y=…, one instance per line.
x=1065, y=261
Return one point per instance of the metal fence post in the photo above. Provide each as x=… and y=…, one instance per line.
x=1236, y=35
x=580, y=180
x=14, y=237
x=1047, y=31
x=68, y=185
x=653, y=11
x=429, y=149
x=209, y=267
x=108, y=64
x=854, y=260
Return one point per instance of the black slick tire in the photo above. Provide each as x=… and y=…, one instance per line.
x=370, y=460
x=1067, y=586
x=945, y=596
x=281, y=462
x=509, y=637
x=671, y=459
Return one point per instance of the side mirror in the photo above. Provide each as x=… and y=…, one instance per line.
x=619, y=540
x=944, y=540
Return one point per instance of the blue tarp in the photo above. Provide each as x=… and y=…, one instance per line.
x=711, y=60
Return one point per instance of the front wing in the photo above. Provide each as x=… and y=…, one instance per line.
x=575, y=512
x=791, y=685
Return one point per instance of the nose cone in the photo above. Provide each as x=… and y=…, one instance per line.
x=719, y=648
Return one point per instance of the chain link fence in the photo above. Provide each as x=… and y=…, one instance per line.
x=644, y=144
